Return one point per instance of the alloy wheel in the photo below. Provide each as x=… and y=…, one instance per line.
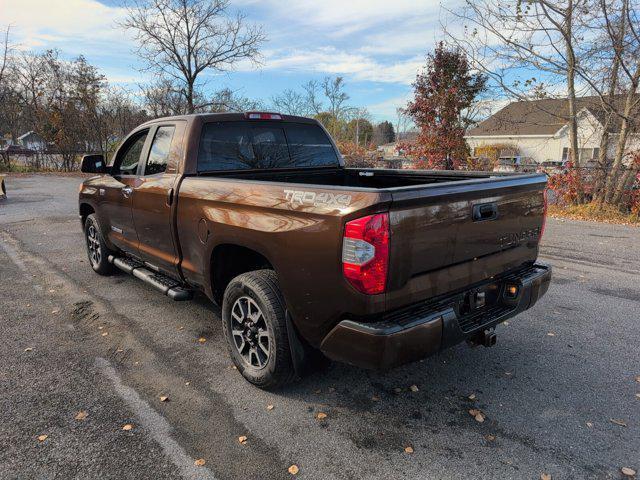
x=250, y=332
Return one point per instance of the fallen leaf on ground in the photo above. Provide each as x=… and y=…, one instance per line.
x=164, y=399
x=104, y=334
x=53, y=312
x=408, y=449
x=490, y=437
x=638, y=379
x=202, y=340
x=589, y=424
x=413, y=388
x=52, y=290
x=242, y=439
x=269, y=407
x=477, y=414
x=42, y=438
x=81, y=415
x=637, y=395
x=293, y=469
x=472, y=396
x=321, y=416
x=619, y=422
x=127, y=427
x=119, y=350
x=28, y=349
x=508, y=374
x=100, y=327
x=318, y=392
x=199, y=462
x=545, y=476
x=629, y=472
x=551, y=334
x=187, y=383
x=375, y=398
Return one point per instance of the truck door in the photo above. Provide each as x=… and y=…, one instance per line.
x=154, y=196
x=115, y=197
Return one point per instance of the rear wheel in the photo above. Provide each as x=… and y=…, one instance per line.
x=254, y=324
x=97, y=250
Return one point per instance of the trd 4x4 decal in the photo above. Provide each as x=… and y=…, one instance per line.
x=315, y=199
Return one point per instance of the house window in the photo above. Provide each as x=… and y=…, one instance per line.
x=565, y=154
x=588, y=154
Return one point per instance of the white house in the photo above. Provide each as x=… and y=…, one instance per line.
x=538, y=132
x=32, y=141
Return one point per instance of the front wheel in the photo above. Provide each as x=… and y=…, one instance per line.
x=254, y=324
x=97, y=250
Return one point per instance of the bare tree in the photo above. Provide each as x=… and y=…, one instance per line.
x=291, y=102
x=526, y=47
x=617, y=82
x=5, y=52
x=333, y=89
x=181, y=39
x=312, y=97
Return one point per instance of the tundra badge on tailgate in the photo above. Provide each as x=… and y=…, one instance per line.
x=315, y=199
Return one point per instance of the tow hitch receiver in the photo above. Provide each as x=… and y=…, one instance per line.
x=486, y=338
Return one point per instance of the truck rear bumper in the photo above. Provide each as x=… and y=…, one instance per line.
x=422, y=329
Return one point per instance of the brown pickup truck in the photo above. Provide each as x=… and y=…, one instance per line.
x=367, y=266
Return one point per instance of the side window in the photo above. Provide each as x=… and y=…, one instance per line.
x=127, y=160
x=160, y=149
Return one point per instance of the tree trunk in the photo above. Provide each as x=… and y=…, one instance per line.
x=621, y=145
x=190, y=106
x=625, y=183
x=571, y=98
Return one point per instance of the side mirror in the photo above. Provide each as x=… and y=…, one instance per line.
x=93, y=164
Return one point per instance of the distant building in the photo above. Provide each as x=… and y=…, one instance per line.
x=534, y=132
x=32, y=141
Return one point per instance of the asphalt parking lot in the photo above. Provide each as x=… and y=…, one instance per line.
x=82, y=356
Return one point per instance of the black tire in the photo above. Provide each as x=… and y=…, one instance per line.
x=97, y=250
x=261, y=287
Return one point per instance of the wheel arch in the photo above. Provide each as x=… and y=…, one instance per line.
x=228, y=260
x=86, y=209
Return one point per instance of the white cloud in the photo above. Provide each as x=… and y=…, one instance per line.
x=342, y=17
x=387, y=108
x=81, y=26
x=332, y=61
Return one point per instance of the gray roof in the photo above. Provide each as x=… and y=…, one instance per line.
x=541, y=117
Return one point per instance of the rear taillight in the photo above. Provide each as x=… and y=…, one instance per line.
x=544, y=213
x=365, y=253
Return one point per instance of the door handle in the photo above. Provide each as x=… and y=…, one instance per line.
x=169, y=197
x=127, y=191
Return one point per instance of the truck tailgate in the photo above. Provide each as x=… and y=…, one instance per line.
x=449, y=235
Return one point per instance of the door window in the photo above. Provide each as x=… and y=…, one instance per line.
x=127, y=160
x=160, y=149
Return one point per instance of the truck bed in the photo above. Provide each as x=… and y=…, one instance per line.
x=359, y=178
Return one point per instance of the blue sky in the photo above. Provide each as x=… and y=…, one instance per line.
x=377, y=45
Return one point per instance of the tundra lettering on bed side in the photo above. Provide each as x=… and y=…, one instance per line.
x=512, y=239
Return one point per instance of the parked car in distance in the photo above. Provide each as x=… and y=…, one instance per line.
x=374, y=268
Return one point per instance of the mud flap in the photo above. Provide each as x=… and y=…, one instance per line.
x=304, y=357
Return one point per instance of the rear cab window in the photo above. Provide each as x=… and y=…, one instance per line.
x=160, y=150
x=250, y=145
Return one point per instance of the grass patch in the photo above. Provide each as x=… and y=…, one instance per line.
x=595, y=213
